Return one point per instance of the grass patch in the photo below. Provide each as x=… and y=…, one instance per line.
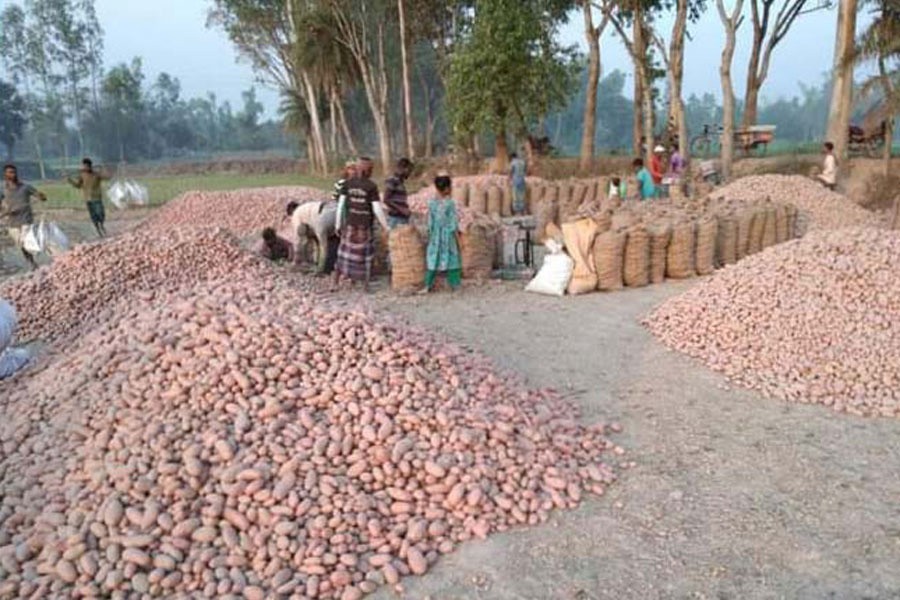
x=164, y=188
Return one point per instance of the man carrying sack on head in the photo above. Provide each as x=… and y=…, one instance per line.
x=89, y=182
x=359, y=206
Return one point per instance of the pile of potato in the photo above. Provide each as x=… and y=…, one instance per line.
x=83, y=286
x=825, y=209
x=243, y=211
x=814, y=320
x=239, y=437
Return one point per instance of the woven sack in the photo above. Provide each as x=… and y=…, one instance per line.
x=727, y=240
x=659, y=245
x=407, y=258
x=705, y=252
x=461, y=194
x=506, y=201
x=680, y=254
x=744, y=224
x=547, y=214
x=477, y=249
x=781, y=224
x=603, y=218
x=636, y=265
x=769, y=227
x=609, y=258
x=791, y=211
x=494, y=201
x=579, y=237
x=478, y=200
x=756, y=231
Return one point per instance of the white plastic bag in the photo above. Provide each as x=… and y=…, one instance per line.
x=137, y=193
x=8, y=324
x=53, y=239
x=555, y=273
x=32, y=241
x=12, y=360
x=118, y=195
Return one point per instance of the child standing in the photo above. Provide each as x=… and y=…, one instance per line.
x=443, y=231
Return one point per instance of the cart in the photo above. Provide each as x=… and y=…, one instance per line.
x=749, y=139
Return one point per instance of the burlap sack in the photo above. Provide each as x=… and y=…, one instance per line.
x=407, y=258
x=590, y=193
x=380, y=265
x=506, y=201
x=603, y=218
x=579, y=237
x=757, y=227
x=477, y=249
x=533, y=195
x=791, y=211
x=705, y=252
x=744, y=223
x=494, y=201
x=623, y=219
x=781, y=224
x=636, y=265
x=579, y=190
x=769, y=227
x=478, y=200
x=547, y=214
x=659, y=245
x=609, y=258
x=727, y=240
x=680, y=254
x=460, y=194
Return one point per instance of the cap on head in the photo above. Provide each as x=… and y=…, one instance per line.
x=659, y=150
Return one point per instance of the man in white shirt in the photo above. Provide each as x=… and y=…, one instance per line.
x=828, y=177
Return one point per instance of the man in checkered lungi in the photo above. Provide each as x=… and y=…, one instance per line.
x=358, y=208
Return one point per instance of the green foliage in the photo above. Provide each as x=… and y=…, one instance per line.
x=508, y=70
x=12, y=117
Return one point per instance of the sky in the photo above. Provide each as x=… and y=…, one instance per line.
x=171, y=36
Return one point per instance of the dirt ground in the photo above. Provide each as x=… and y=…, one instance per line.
x=733, y=496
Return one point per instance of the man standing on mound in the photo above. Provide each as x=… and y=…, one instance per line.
x=359, y=206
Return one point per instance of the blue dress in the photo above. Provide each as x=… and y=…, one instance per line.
x=443, y=224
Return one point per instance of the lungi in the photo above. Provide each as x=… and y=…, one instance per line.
x=355, y=254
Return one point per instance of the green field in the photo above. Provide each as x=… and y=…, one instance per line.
x=164, y=188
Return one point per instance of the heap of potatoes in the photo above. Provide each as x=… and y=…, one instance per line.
x=237, y=437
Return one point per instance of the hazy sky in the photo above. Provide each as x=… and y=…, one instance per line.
x=171, y=36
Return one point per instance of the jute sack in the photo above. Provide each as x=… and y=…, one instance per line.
x=494, y=201
x=477, y=249
x=407, y=258
x=707, y=229
x=506, y=201
x=478, y=200
x=579, y=191
x=769, y=227
x=547, y=214
x=636, y=266
x=757, y=227
x=623, y=219
x=791, y=211
x=680, y=254
x=781, y=224
x=609, y=258
x=659, y=245
x=533, y=195
x=579, y=237
x=603, y=218
x=744, y=223
x=801, y=223
x=380, y=263
x=590, y=194
x=564, y=200
x=727, y=240
x=460, y=194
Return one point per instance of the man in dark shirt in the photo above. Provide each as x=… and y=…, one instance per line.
x=15, y=208
x=359, y=206
x=395, y=194
x=89, y=182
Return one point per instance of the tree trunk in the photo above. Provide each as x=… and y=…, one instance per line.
x=319, y=159
x=501, y=152
x=887, y=88
x=407, y=91
x=895, y=217
x=676, y=75
x=332, y=125
x=345, y=129
x=639, y=54
x=842, y=82
x=589, y=121
x=751, y=93
x=727, y=139
x=40, y=156
x=647, y=110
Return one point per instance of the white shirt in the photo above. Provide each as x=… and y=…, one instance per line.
x=829, y=171
x=305, y=214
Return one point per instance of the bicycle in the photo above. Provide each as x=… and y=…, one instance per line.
x=707, y=143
